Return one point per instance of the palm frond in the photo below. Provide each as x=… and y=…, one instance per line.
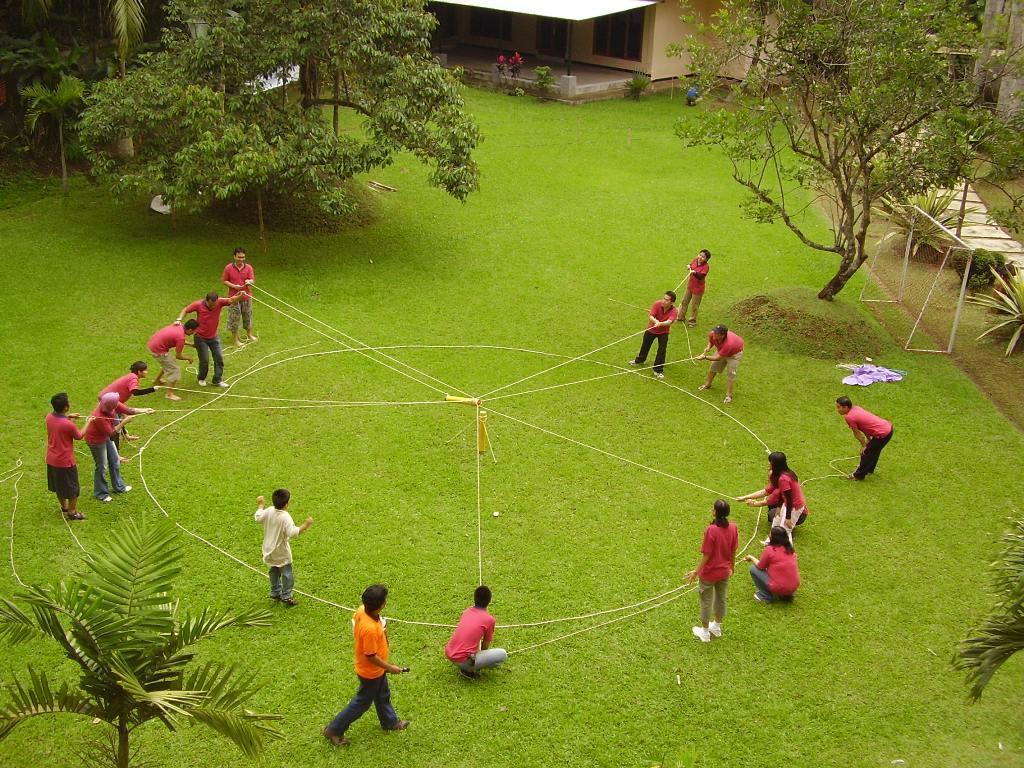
x=1008, y=300
x=16, y=626
x=246, y=729
x=169, y=701
x=128, y=18
x=39, y=698
x=192, y=629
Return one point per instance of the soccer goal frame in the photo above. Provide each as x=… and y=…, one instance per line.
x=955, y=243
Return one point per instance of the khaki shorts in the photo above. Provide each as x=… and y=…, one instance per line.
x=240, y=311
x=727, y=364
x=169, y=367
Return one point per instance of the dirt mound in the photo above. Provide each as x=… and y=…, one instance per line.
x=794, y=320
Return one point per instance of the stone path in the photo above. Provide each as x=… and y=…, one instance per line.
x=980, y=231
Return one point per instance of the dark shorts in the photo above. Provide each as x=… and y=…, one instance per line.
x=63, y=481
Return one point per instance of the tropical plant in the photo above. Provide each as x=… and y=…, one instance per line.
x=637, y=84
x=57, y=103
x=1001, y=633
x=929, y=231
x=543, y=80
x=119, y=622
x=1009, y=301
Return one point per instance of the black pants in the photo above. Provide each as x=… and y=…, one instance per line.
x=645, y=347
x=869, y=459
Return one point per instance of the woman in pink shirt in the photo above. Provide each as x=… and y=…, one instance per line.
x=717, y=559
x=783, y=494
x=776, y=574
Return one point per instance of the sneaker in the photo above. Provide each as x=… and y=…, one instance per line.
x=291, y=602
x=223, y=384
x=126, y=489
x=634, y=362
x=274, y=597
x=715, y=629
x=202, y=382
x=76, y=515
x=338, y=741
x=401, y=725
x=659, y=375
x=469, y=673
x=761, y=598
x=702, y=634
x=107, y=499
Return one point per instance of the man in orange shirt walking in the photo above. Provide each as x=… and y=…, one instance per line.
x=370, y=651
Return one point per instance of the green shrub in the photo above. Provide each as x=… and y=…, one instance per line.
x=986, y=264
x=543, y=80
x=637, y=84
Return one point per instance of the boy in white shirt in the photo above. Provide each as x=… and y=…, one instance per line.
x=278, y=530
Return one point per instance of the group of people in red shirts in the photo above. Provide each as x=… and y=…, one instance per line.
x=109, y=419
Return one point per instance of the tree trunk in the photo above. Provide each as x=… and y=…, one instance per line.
x=847, y=268
x=122, y=743
x=259, y=216
x=337, y=98
x=63, y=160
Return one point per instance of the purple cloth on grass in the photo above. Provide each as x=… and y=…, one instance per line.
x=865, y=375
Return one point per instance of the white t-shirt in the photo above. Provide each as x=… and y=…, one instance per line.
x=278, y=528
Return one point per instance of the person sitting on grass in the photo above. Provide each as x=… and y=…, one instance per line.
x=160, y=345
x=278, y=530
x=729, y=348
x=776, y=574
x=469, y=647
x=659, y=322
x=783, y=495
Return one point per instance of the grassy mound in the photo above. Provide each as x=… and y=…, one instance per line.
x=795, y=320
x=298, y=211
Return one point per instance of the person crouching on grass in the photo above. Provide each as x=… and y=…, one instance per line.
x=776, y=574
x=718, y=558
x=469, y=648
x=278, y=530
x=783, y=495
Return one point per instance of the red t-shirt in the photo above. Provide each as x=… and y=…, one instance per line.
x=475, y=625
x=720, y=547
x=101, y=427
x=788, y=490
x=866, y=422
x=61, y=434
x=783, y=574
x=696, y=284
x=661, y=314
x=123, y=386
x=233, y=274
x=170, y=337
x=731, y=345
x=209, y=319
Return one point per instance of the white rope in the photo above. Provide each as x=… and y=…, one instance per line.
x=300, y=407
x=479, y=523
x=564, y=362
x=610, y=454
x=14, y=474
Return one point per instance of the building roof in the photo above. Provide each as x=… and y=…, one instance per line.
x=574, y=10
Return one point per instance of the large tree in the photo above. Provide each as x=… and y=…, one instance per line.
x=206, y=129
x=851, y=99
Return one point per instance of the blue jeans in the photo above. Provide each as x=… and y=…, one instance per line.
x=205, y=348
x=105, y=454
x=281, y=581
x=761, y=582
x=376, y=692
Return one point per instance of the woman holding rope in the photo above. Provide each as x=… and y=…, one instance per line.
x=717, y=560
x=783, y=494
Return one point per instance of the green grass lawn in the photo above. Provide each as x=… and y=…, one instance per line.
x=577, y=206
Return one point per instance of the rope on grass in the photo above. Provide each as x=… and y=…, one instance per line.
x=14, y=474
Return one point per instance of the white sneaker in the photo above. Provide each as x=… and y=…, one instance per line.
x=107, y=499
x=702, y=634
x=223, y=384
x=202, y=382
x=715, y=629
x=659, y=375
x=634, y=362
x=126, y=489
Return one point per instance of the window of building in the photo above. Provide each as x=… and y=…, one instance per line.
x=620, y=36
x=496, y=25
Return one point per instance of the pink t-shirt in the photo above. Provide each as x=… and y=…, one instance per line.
x=788, y=490
x=236, y=276
x=170, y=337
x=731, y=345
x=697, y=280
x=475, y=625
x=783, y=574
x=209, y=319
x=123, y=386
x=866, y=422
x=661, y=314
x=61, y=434
x=720, y=547
x=101, y=427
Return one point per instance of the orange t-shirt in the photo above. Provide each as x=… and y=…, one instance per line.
x=369, y=639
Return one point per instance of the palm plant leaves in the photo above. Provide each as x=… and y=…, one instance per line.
x=1001, y=634
x=128, y=18
x=15, y=625
x=1008, y=300
x=39, y=698
x=54, y=102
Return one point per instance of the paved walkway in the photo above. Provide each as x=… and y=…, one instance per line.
x=980, y=231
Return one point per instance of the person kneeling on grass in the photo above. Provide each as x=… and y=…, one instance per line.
x=469, y=648
x=776, y=574
x=783, y=495
x=278, y=530
x=718, y=558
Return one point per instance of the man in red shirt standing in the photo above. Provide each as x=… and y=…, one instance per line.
x=662, y=315
x=370, y=651
x=872, y=432
x=469, y=648
x=160, y=345
x=238, y=276
x=207, y=338
x=729, y=348
x=61, y=469
x=698, y=272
